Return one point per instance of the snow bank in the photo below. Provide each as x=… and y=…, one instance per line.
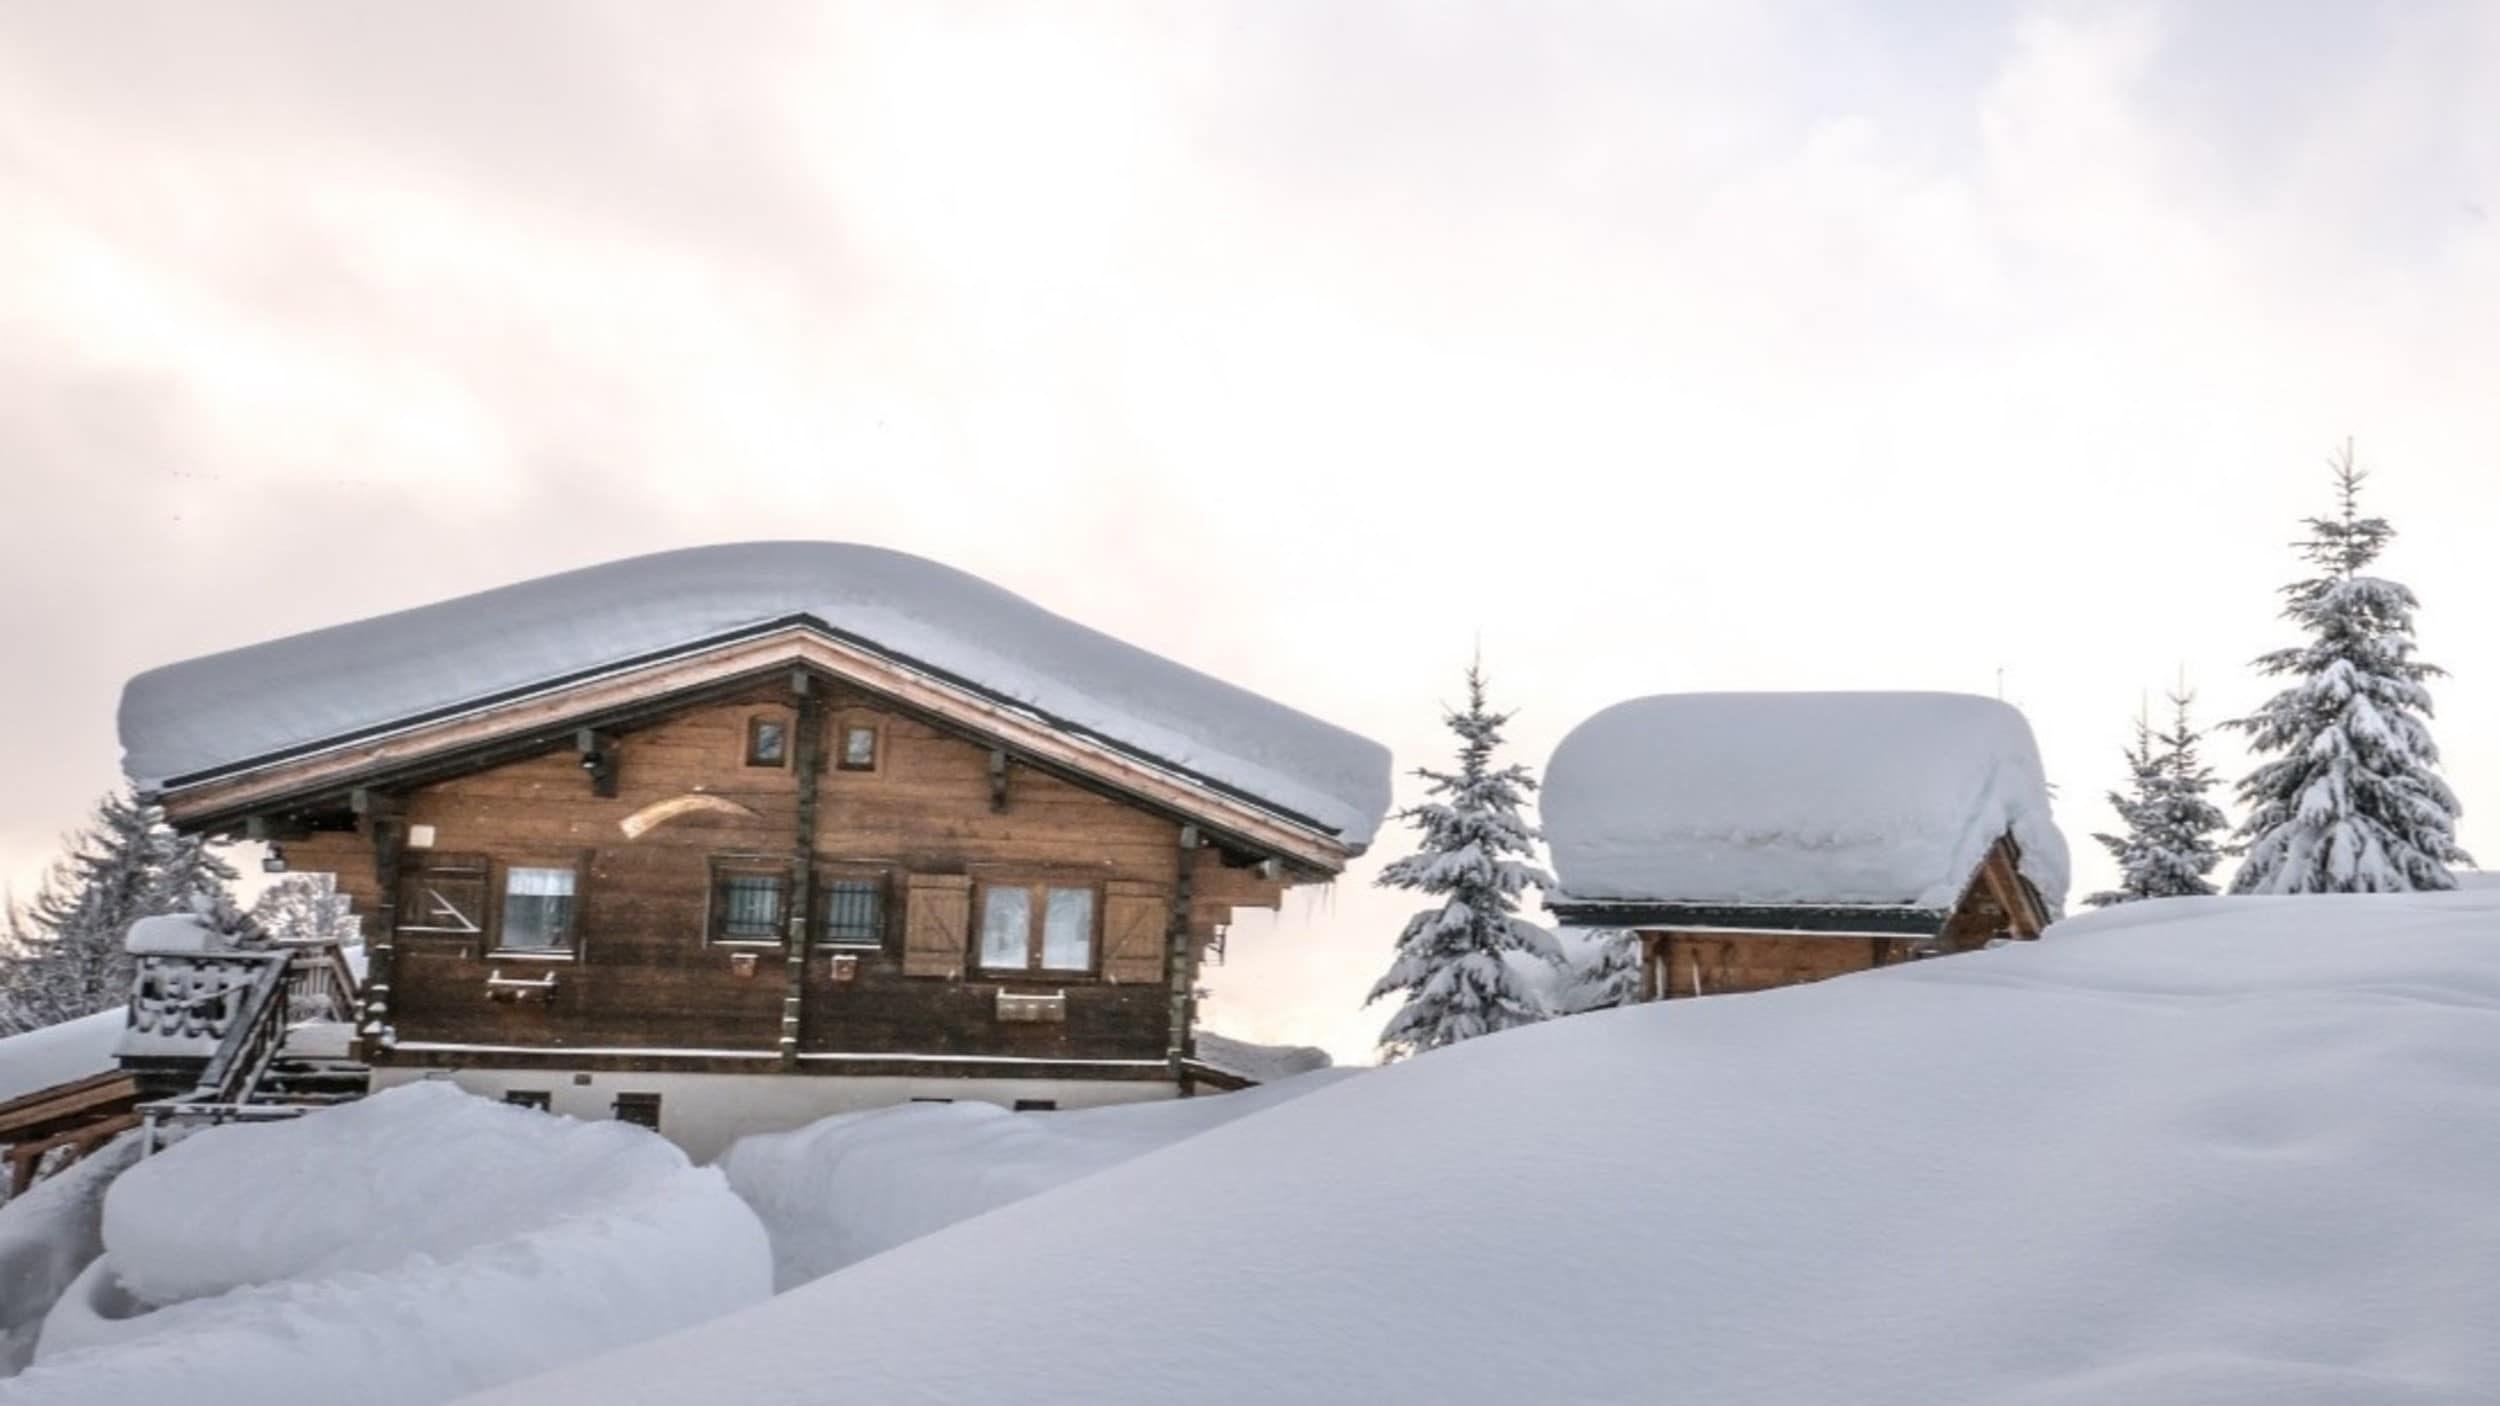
x=2211, y=1151
x=47, y=1236
x=1263, y=1063
x=858, y=1184
x=411, y=1247
x=1815, y=798
x=209, y=714
x=59, y=1054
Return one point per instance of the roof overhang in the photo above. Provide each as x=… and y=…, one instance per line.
x=1804, y=920
x=400, y=750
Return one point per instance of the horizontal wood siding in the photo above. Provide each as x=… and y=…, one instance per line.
x=644, y=974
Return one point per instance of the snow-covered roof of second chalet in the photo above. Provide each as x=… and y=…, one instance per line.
x=1797, y=800
x=228, y=712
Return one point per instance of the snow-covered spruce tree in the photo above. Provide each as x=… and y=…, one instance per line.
x=2170, y=849
x=2183, y=832
x=2135, y=807
x=70, y=957
x=1607, y=972
x=2350, y=799
x=1475, y=859
x=305, y=908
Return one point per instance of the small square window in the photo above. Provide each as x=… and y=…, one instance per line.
x=859, y=747
x=641, y=1110
x=539, y=1099
x=748, y=907
x=768, y=742
x=537, y=910
x=855, y=913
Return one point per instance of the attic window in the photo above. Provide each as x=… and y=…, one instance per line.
x=859, y=747
x=768, y=741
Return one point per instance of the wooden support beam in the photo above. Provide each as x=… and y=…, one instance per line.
x=998, y=779
x=598, y=753
x=1181, y=962
x=390, y=835
x=807, y=757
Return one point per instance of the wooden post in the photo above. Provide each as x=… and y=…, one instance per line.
x=382, y=820
x=807, y=755
x=1181, y=963
x=998, y=779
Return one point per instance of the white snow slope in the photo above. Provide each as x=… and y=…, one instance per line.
x=208, y=714
x=410, y=1247
x=857, y=1184
x=2207, y=1150
x=1813, y=798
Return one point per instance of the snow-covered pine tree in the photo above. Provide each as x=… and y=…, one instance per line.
x=1607, y=972
x=69, y=956
x=2350, y=800
x=1475, y=858
x=2183, y=831
x=306, y=908
x=2136, y=808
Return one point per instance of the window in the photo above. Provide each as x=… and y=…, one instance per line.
x=444, y=893
x=1038, y=927
x=1037, y=1105
x=539, y=1099
x=749, y=903
x=768, y=741
x=641, y=1110
x=859, y=747
x=855, y=913
x=537, y=910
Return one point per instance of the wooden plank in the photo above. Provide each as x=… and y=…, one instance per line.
x=1133, y=931
x=937, y=924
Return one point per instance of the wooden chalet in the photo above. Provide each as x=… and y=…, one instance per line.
x=1761, y=840
x=729, y=839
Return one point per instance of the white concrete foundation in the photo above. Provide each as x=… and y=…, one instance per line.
x=704, y=1113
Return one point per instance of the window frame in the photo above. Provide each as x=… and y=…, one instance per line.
x=543, y=1100
x=715, y=898
x=849, y=723
x=756, y=723
x=639, y=1100
x=482, y=866
x=1037, y=889
x=820, y=907
x=568, y=950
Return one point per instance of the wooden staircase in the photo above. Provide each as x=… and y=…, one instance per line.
x=242, y=1035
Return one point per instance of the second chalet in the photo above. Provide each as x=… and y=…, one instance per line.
x=735, y=837
x=1754, y=840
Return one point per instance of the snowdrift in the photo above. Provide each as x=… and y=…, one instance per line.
x=2212, y=1151
x=408, y=1248
x=858, y=1184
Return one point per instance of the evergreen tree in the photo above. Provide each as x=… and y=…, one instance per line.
x=2169, y=848
x=2136, y=808
x=1607, y=973
x=1474, y=859
x=67, y=954
x=306, y=908
x=2350, y=800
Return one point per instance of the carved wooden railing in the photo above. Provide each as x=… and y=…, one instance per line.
x=247, y=999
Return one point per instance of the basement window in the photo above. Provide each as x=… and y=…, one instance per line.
x=641, y=1110
x=539, y=1099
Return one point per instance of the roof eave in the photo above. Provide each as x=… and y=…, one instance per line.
x=1808, y=919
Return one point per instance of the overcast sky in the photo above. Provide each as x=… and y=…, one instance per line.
x=1655, y=346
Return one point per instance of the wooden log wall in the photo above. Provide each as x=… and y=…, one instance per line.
x=646, y=976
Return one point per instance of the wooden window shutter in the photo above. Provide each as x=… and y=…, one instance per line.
x=937, y=924
x=1136, y=921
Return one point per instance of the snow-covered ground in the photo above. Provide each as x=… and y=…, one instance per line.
x=2206, y=1150
x=406, y=1248
x=856, y=1185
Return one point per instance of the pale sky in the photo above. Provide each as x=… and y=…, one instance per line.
x=1656, y=346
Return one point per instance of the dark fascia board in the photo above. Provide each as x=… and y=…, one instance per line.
x=800, y=621
x=1832, y=920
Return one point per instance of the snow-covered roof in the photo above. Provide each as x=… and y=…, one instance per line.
x=59, y=1054
x=1797, y=799
x=228, y=712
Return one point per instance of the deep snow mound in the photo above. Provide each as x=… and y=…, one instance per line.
x=410, y=1247
x=2212, y=1151
x=858, y=1184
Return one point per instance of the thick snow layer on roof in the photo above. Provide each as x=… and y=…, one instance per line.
x=60, y=1054
x=858, y=1184
x=1264, y=1063
x=1797, y=798
x=213, y=713
x=411, y=1247
x=2218, y=1150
